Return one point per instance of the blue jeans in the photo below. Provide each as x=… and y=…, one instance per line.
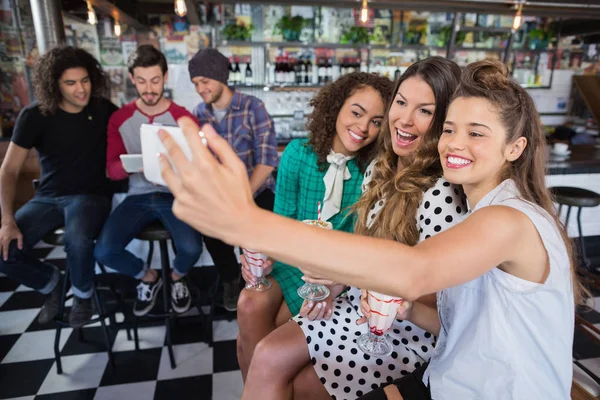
x=82, y=216
x=129, y=219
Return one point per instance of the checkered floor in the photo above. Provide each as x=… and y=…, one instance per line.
x=28, y=370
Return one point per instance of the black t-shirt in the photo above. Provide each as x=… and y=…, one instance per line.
x=71, y=147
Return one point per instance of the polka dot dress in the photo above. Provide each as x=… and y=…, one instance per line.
x=345, y=371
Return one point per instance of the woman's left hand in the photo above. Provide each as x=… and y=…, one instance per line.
x=317, y=310
x=212, y=192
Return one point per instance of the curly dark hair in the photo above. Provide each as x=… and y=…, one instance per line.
x=327, y=104
x=50, y=67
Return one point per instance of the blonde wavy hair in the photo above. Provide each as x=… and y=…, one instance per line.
x=403, y=190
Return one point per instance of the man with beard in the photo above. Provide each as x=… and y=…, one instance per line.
x=244, y=122
x=145, y=202
x=67, y=126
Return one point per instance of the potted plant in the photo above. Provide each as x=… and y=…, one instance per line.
x=238, y=31
x=446, y=32
x=291, y=27
x=538, y=38
x=355, y=35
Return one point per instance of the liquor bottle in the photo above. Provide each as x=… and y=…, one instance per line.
x=300, y=72
x=278, y=71
x=397, y=74
x=329, y=70
x=322, y=70
x=308, y=78
x=291, y=74
x=248, y=73
x=231, y=78
x=237, y=73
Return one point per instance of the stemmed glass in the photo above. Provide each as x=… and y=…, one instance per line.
x=383, y=313
x=256, y=262
x=315, y=291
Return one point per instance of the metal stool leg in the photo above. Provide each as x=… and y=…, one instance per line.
x=166, y=276
x=136, y=338
x=150, y=253
x=567, y=219
x=107, y=341
x=586, y=262
x=120, y=303
x=61, y=311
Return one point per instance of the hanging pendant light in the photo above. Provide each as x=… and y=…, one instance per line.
x=92, y=18
x=180, y=8
x=518, y=18
x=117, y=28
x=364, y=12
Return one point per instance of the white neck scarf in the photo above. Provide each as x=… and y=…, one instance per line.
x=334, y=179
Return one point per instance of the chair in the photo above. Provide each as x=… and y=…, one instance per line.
x=156, y=232
x=575, y=197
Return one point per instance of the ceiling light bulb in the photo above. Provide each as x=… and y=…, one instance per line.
x=364, y=12
x=92, y=19
x=180, y=8
x=117, y=28
x=518, y=18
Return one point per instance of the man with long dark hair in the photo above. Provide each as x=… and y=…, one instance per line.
x=145, y=202
x=67, y=126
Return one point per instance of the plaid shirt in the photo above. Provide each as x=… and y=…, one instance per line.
x=300, y=187
x=249, y=130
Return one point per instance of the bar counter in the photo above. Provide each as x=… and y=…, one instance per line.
x=584, y=159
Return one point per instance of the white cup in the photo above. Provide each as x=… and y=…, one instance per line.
x=561, y=147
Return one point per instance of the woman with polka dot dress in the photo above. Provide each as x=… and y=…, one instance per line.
x=405, y=199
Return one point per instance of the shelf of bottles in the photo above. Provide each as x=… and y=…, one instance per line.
x=285, y=76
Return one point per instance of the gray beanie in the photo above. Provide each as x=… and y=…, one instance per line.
x=209, y=63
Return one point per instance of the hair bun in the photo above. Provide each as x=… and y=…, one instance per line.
x=488, y=74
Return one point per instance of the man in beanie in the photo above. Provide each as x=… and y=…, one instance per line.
x=243, y=121
x=145, y=202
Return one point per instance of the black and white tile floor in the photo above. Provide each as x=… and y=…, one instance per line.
x=28, y=369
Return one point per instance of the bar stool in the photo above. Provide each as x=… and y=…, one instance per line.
x=56, y=238
x=575, y=197
x=156, y=232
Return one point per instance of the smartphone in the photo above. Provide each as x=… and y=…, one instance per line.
x=132, y=163
x=152, y=146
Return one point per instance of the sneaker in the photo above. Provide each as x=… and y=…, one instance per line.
x=81, y=312
x=146, y=297
x=181, y=300
x=231, y=292
x=51, y=305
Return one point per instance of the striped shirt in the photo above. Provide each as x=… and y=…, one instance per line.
x=249, y=130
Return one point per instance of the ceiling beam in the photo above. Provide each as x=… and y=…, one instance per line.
x=108, y=8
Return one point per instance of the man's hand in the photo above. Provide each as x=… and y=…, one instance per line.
x=9, y=232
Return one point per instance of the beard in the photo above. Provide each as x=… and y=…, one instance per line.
x=214, y=97
x=150, y=104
